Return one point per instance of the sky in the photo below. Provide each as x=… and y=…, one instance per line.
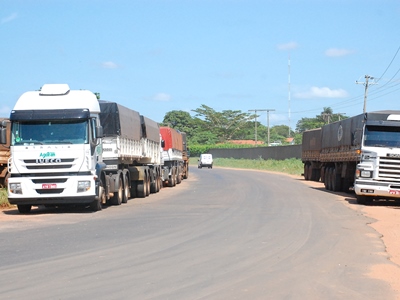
x=290, y=57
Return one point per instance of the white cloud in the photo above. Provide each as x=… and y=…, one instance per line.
x=334, y=52
x=9, y=18
x=324, y=92
x=288, y=46
x=109, y=65
x=162, y=97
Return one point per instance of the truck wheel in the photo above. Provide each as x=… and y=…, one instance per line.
x=178, y=178
x=24, y=208
x=148, y=186
x=158, y=183
x=127, y=191
x=306, y=167
x=96, y=205
x=142, y=188
x=171, y=179
x=133, y=189
x=336, y=181
x=118, y=195
x=328, y=177
x=153, y=185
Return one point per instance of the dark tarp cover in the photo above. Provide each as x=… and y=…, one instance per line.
x=118, y=120
x=151, y=129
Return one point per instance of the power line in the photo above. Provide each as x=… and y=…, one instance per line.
x=389, y=65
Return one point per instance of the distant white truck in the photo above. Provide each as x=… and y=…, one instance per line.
x=206, y=161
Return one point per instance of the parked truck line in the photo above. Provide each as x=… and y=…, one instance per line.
x=69, y=148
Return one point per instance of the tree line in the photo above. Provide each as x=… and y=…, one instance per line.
x=210, y=127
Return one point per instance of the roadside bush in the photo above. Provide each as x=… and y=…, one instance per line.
x=4, y=199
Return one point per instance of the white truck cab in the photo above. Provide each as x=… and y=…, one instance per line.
x=56, y=150
x=205, y=160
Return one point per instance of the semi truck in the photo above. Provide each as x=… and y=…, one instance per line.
x=171, y=156
x=361, y=153
x=55, y=149
x=69, y=148
x=131, y=153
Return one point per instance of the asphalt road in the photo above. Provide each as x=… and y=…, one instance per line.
x=221, y=234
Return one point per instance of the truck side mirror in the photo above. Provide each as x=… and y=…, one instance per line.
x=3, y=135
x=99, y=132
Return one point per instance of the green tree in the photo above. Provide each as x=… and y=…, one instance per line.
x=325, y=117
x=180, y=120
x=223, y=124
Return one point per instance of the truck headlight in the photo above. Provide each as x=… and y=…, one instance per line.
x=365, y=174
x=16, y=188
x=83, y=186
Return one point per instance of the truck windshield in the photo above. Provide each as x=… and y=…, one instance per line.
x=382, y=136
x=54, y=132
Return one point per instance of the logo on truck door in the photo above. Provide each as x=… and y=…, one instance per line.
x=340, y=133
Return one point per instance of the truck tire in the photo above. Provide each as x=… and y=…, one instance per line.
x=141, y=193
x=118, y=195
x=133, y=189
x=326, y=181
x=171, y=179
x=95, y=205
x=306, y=172
x=153, y=185
x=336, y=181
x=24, y=208
x=127, y=191
x=178, y=178
x=142, y=188
x=148, y=186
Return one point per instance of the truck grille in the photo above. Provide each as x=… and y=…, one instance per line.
x=33, y=164
x=389, y=168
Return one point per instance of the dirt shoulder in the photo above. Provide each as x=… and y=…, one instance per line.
x=387, y=224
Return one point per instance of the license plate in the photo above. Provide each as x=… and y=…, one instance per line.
x=49, y=186
x=392, y=192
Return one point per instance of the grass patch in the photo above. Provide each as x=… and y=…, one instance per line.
x=4, y=199
x=291, y=166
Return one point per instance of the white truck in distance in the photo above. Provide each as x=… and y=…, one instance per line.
x=56, y=154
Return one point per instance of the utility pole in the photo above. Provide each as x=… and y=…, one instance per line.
x=327, y=116
x=255, y=122
x=366, y=84
x=268, y=110
x=340, y=114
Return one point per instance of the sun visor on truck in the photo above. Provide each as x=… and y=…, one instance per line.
x=118, y=120
x=49, y=115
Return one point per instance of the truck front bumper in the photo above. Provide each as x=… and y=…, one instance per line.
x=53, y=200
x=377, y=189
